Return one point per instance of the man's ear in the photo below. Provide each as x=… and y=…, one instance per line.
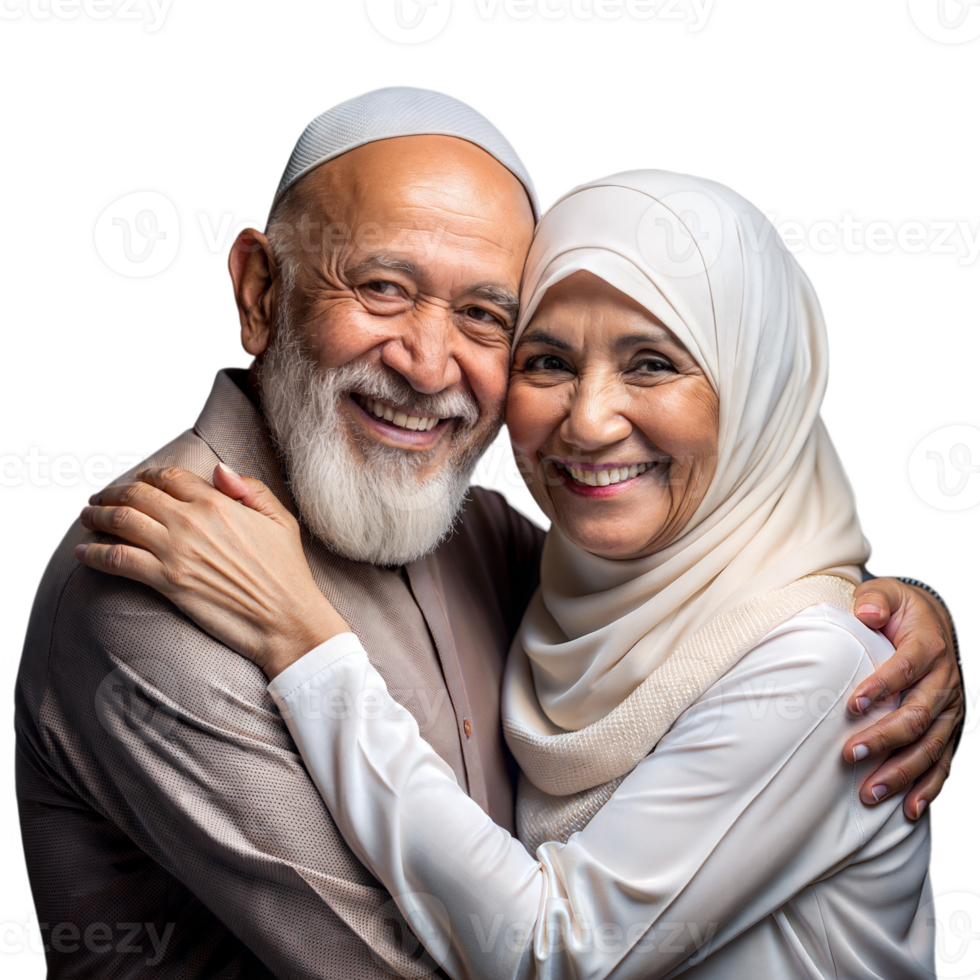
x=253, y=275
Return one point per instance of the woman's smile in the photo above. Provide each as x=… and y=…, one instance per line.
x=600, y=480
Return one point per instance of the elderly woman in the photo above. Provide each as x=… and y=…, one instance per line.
x=677, y=691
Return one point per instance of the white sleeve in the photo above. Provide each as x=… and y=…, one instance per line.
x=744, y=803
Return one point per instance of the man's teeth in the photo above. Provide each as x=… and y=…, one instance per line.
x=403, y=421
x=602, y=478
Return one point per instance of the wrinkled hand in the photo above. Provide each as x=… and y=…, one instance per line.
x=239, y=572
x=920, y=732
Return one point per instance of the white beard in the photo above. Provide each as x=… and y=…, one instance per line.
x=376, y=508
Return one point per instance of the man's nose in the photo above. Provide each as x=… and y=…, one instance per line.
x=424, y=353
x=595, y=418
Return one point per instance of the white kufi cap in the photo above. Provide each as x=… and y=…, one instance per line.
x=390, y=112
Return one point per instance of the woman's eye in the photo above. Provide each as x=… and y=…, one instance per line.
x=650, y=365
x=545, y=362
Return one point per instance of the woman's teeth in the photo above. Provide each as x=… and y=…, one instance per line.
x=403, y=421
x=603, y=478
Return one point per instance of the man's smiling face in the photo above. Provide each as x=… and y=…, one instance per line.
x=394, y=270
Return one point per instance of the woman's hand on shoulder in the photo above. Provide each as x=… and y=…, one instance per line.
x=230, y=556
x=920, y=734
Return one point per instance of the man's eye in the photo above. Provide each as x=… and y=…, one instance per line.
x=481, y=315
x=381, y=287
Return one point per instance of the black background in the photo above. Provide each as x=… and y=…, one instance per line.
x=810, y=110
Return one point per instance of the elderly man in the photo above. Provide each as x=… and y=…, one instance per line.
x=168, y=821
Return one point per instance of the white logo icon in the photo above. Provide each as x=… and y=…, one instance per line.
x=945, y=468
x=956, y=920
x=681, y=235
x=408, y=21
x=947, y=21
x=138, y=235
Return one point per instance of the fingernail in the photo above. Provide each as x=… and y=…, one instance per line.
x=94, y=499
x=867, y=611
x=860, y=752
x=862, y=704
x=85, y=512
x=879, y=792
x=227, y=469
x=80, y=550
x=920, y=808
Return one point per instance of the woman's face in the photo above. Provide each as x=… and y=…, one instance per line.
x=614, y=424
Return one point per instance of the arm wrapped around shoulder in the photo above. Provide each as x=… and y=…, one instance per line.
x=745, y=806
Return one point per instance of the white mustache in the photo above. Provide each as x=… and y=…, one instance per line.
x=377, y=382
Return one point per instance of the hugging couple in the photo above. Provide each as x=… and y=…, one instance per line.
x=300, y=700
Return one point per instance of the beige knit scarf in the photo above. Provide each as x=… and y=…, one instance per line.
x=567, y=777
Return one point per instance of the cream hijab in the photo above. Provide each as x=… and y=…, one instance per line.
x=711, y=267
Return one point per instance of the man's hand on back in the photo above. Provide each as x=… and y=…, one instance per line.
x=920, y=735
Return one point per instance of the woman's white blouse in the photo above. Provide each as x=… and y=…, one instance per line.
x=737, y=849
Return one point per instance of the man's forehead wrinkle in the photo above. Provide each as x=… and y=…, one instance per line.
x=384, y=260
x=440, y=215
x=463, y=233
x=370, y=188
x=455, y=187
x=451, y=207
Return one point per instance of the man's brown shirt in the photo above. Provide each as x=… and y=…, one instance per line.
x=169, y=825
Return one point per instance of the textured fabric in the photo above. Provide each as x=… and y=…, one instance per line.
x=779, y=507
x=738, y=849
x=159, y=786
x=390, y=112
x=569, y=777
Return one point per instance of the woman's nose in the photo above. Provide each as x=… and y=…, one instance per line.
x=595, y=418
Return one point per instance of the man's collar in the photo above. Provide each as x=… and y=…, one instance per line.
x=233, y=426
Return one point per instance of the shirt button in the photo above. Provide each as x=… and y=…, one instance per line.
x=467, y=727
